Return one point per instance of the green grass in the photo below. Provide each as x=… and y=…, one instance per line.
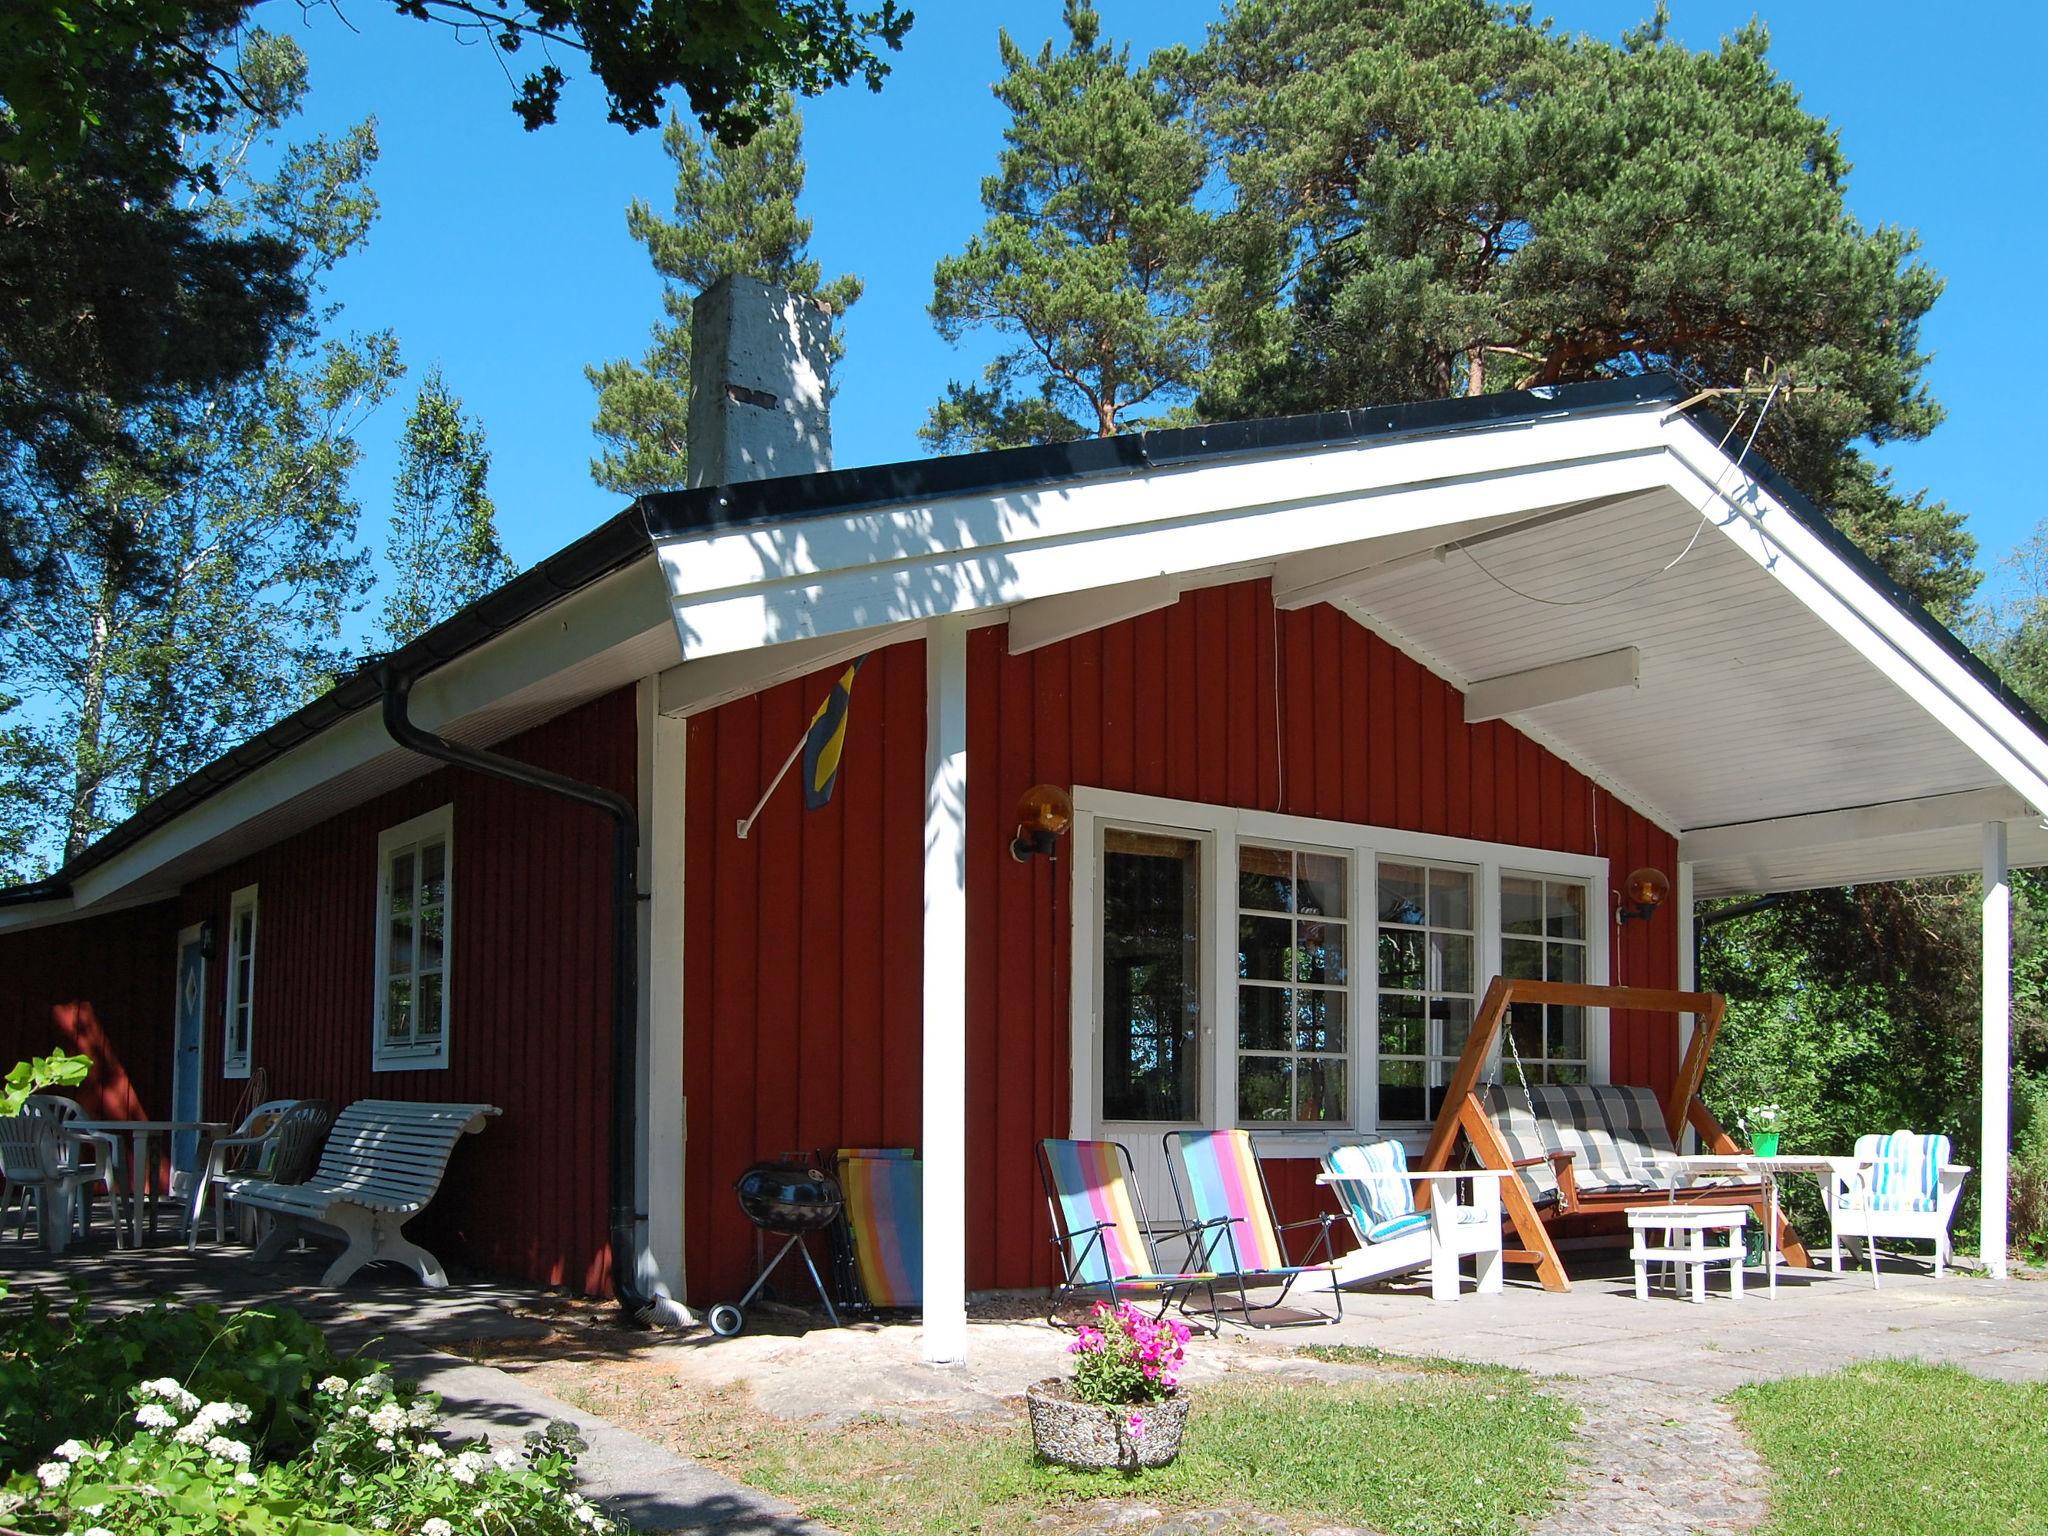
x=1425, y=1453
x=1387, y=1360
x=1897, y=1448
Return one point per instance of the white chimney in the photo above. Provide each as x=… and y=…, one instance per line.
x=760, y=392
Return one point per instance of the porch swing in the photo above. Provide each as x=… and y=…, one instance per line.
x=1580, y=1150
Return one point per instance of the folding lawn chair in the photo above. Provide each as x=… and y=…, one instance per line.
x=883, y=1226
x=1098, y=1221
x=1221, y=1191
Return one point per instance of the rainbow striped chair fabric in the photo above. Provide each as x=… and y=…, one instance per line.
x=1099, y=1227
x=1226, y=1206
x=883, y=1188
x=1904, y=1187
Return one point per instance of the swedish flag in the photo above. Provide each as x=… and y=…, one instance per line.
x=826, y=739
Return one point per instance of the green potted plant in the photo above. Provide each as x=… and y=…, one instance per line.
x=1123, y=1407
x=1762, y=1123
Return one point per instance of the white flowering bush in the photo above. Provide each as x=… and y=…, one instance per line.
x=373, y=1464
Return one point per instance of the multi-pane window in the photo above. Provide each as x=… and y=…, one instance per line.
x=1543, y=938
x=241, y=983
x=1427, y=976
x=1293, y=970
x=412, y=942
x=1151, y=977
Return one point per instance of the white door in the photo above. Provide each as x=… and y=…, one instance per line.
x=188, y=1044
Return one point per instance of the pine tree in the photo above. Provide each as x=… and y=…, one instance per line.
x=444, y=548
x=735, y=215
x=1449, y=198
x=1095, y=254
x=221, y=604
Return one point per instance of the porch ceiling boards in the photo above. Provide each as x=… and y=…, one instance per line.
x=1750, y=708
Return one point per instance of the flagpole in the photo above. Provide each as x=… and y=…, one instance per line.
x=746, y=824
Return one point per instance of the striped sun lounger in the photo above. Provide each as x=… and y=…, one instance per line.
x=884, y=1213
x=1223, y=1199
x=1099, y=1228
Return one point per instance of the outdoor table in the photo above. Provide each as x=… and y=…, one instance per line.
x=1693, y=1223
x=1766, y=1171
x=137, y=1163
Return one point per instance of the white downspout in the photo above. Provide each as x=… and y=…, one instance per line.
x=945, y=993
x=1992, y=1186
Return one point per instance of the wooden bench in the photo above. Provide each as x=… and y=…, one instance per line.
x=383, y=1161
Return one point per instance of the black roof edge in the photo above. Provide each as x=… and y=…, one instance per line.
x=610, y=546
x=755, y=503
x=1825, y=529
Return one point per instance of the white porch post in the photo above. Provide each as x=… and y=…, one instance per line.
x=1997, y=1044
x=945, y=992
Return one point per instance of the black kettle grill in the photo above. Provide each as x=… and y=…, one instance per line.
x=789, y=1196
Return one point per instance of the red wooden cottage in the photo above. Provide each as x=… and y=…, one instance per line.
x=1460, y=661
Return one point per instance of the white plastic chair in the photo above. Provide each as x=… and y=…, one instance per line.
x=251, y=1150
x=1904, y=1187
x=39, y=1158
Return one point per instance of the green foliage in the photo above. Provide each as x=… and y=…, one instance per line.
x=2028, y=1217
x=1096, y=255
x=1900, y=1448
x=444, y=546
x=735, y=216
x=66, y=71
x=192, y=1421
x=69, y=1375
x=59, y=1069
x=1437, y=198
x=220, y=603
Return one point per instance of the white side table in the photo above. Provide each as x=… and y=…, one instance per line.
x=1692, y=1224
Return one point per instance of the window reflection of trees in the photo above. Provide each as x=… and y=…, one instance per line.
x=1151, y=977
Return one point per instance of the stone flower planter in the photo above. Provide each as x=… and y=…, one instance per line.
x=1090, y=1436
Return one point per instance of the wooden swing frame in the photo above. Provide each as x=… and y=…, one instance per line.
x=1464, y=1112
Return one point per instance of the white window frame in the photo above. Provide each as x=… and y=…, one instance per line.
x=237, y=997
x=1599, y=917
x=435, y=824
x=1220, y=828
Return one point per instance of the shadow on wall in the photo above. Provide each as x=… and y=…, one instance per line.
x=107, y=1092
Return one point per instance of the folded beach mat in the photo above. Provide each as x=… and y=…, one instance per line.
x=884, y=1190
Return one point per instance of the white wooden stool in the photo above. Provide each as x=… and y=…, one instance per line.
x=1692, y=1224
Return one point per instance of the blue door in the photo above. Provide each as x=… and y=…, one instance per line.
x=188, y=1044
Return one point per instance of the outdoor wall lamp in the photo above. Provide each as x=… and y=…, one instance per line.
x=1641, y=894
x=1043, y=814
x=209, y=941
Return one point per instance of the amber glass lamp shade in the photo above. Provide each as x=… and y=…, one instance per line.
x=1643, y=893
x=1044, y=812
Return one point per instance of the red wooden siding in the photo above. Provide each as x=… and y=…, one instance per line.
x=529, y=1000
x=102, y=987
x=803, y=984
x=818, y=916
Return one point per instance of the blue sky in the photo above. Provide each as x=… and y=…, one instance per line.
x=504, y=256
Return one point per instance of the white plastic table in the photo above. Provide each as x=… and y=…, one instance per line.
x=1693, y=1223
x=1766, y=1171
x=137, y=1164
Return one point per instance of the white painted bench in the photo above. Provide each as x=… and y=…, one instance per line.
x=383, y=1161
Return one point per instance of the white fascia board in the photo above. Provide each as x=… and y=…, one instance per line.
x=625, y=605
x=1758, y=524
x=1823, y=829
x=903, y=590
x=724, y=560
x=1493, y=698
x=1049, y=620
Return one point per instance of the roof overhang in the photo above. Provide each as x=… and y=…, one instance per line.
x=1592, y=566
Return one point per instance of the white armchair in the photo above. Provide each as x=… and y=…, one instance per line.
x=1904, y=1186
x=1377, y=1193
